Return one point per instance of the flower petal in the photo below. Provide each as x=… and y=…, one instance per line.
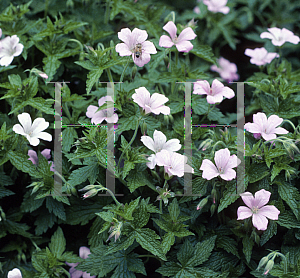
x=148, y=142
x=184, y=46
x=123, y=49
x=25, y=121
x=243, y=213
x=46, y=153
x=33, y=156
x=214, y=99
x=159, y=140
x=44, y=135
x=228, y=175
x=260, y=222
x=209, y=170
x=221, y=158
x=201, y=87
x=125, y=36
x=262, y=197
x=280, y=130
x=165, y=41
x=138, y=36
x=186, y=35
x=148, y=48
x=84, y=252
x=248, y=199
x=171, y=28
x=39, y=124
x=17, y=128
x=269, y=211
x=172, y=145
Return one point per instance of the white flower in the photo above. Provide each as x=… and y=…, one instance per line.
x=9, y=48
x=15, y=273
x=32, y=131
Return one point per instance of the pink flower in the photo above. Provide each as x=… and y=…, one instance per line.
x=267, y=128
x=174, y=163
x=34, y=158
x=83, y=253
x=159, y=143
x=257, y=209
x=260, y=56
x=227, y=70
x=197, y=10
x=182, y=41
x=9, y=48
x=154, y=104
x=215, y=93
x=135, y=44
x=224, y=163
x=104, y=114
x=280, y=36
x=217, y=6
x=32, y=131
x=15, y=273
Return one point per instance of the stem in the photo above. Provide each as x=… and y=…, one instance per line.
x=131, y=141
x=209, y=109
x=170, y=60
x=107, y=10
x=288, y=121
x=219, y=142
x=176, y=58
x=110, y=78
x=123, y=73
x=78, y=42
x=46, y=8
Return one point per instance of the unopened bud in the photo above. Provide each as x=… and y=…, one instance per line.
x=202, y=203
x=262, y=262
x=70, y=4
x=166, y=119
x=268, y=267
x=144, y=128
x=212, y=209
x=90, y=193
x=166, y=60
x=133, y=72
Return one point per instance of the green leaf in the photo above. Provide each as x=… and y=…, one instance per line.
x=137, y=179
x=228, y=244
x=56, y=206
x=174, y=210
x=167, y=241
x=204, y=52
x=203, y=251
x=21, y=162
x=257, y=172
x=148, y=239
x=290, y=194
x=247, y=247
x=44, y=221
x=93, y=77
x=51, y=64
x=128, y=209
x=58, y=243
x=287, y=219
x=229, y=196
x=271, y=231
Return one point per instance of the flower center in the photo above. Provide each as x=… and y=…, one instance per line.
x=210, y=91
x=255, y=210
x=221, y=171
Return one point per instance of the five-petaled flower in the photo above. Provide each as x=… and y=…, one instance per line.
x=280, y=36
x=182, y=42
x=9, y=48
x=267, y=128
x=32, y=132
x=215, y=93
x=160, y=143
x=154, y=103
x=257, y=209
x=174, y=163
x=83, y=253
x=217, y=6
x=224, y=163
x=104, y=114
x=15, y=273
x=34, y=158
x=260, y=56
x=135, y=44
x=227, y=70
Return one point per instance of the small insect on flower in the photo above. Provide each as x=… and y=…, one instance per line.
x=138, y=50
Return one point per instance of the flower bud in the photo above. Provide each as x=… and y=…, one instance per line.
x=268, y=267
x=171, y=118
x=133, y=72
x=202, y=203
x=144, y=128
x=214, y=195
x=262, y=262
x=70, y=4
x=166, y=119
x=166, y=60
x=212, y=209
x=90, y=193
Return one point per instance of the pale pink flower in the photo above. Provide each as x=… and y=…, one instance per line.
x=134, y=42
x=182, y=42
x=9, y=48
x=280, y=36
x=257, y=209
x=197, y=10
x=15, y=273
x=224, y=163
x=267, y=128
x=158, y=144
x=32, y=131
x=104, y=114
x=34, y=158
x=174, y=163
x=227, y=70
x=260, y=56
x=154, y=103
x=217, y=6
x=83, y=253
x=215, y=93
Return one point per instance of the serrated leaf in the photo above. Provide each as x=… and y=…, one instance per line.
x=93, y=77
x=167, y=241
x=56, y=206
x=174, y=210
x=147, y=238
x=228, y=244
x=271, y=231
x=58, y=243
x=247, y=247
x=257, y=172
x=287, y=219
x=229, y=196
x=204, y=51
x=51, y=64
